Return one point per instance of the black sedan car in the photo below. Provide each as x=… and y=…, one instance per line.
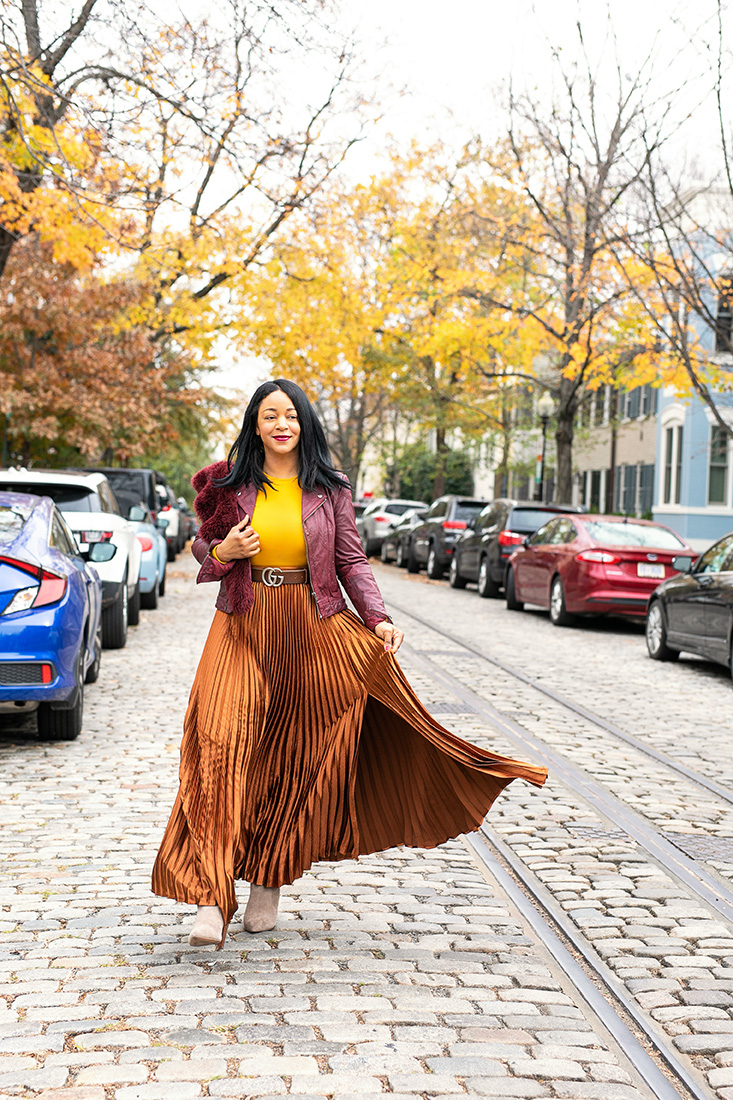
x=433, y=540
x=694, y=610
x=396, y=545
x=482, y=552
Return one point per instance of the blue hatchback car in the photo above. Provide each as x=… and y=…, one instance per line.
x=50, y=615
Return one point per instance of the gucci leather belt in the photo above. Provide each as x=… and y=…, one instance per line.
x=273, y=576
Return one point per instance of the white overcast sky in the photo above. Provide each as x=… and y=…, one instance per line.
x=445, y=66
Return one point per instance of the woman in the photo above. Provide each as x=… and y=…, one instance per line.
x=302, y=740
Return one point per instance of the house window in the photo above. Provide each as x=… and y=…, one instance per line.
x=672, y=465
x=649, y=395
x=718, y=473
x=595, y=491
x=724, y=316
x=633, y=403
x=646, y=489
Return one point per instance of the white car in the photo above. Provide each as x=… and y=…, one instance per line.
x=90, y=509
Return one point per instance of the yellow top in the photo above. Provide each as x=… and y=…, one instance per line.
x=278, y=520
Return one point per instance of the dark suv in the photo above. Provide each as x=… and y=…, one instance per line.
x=432, y=541
x=482, y=552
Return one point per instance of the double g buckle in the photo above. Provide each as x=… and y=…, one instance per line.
x=272, y=576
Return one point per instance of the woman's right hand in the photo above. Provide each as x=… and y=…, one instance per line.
x=241, y=542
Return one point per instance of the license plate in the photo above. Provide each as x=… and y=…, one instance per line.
x=647, y=569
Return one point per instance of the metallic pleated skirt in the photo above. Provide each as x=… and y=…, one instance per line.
x=303, y=741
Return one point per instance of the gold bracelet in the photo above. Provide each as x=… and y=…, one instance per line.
x=216, y=557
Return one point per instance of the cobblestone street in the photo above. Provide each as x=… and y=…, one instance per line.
x=409, y=973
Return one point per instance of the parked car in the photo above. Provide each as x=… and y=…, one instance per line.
x=90, y=509
x=396, y=545
x=154, y=560
x=481, y=553
x=433, y=540
x=131, y=485
x=50, y=615
x=360, y=506
x=693, y=611
x=592, y=565
x=168, y=509
x=378, y=519
x=187, y=514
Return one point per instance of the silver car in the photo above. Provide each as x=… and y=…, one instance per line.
x=378, y=519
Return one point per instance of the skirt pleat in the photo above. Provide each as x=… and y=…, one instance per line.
x=304, y=741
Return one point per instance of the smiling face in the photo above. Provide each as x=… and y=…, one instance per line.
x=278, y=427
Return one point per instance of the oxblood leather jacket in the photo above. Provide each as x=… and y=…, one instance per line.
x=333, y=548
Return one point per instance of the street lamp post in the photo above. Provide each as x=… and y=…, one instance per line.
x=545, y=409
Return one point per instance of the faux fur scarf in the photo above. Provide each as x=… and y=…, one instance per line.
x=216, y=507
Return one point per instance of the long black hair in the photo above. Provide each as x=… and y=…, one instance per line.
x=247, y=456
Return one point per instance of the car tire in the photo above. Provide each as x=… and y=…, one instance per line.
x=488, y=589
x=171, y=552
x=63, y=725
x=161, y=586
x=413, y=565
x=149, y=600
x=455, y=580
x=384, y=554
x=114, y=621
x=512, y=603
x=433, y=568
x=93, y=671
x=559, y=615
x=133, y=607
x=655, y=632
x=400, y=559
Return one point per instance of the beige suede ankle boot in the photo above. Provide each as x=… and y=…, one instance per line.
x=261, y=912
x=208, y=927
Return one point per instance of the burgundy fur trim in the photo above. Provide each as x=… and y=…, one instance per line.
x=216, y=507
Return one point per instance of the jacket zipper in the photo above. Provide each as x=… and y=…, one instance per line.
x=307, y=557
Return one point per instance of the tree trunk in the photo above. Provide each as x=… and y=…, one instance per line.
x=564, y=436
x=440, y=453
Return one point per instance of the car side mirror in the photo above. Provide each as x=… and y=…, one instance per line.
x=101, y=551
x=136, y=513
x=525, y=542
x=162, y=523
x=682, y=564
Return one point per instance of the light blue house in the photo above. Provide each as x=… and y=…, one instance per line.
x=694, y=460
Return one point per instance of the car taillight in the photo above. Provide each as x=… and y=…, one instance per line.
x=597, y=555
x=510, y=538
x=95, y=536
x=50, y=590
x=166, y=508
x=454, y=525
x=146, y=543
x=46, y=674
x=382, y=519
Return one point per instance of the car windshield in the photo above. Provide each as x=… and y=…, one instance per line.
x=468, y=509
x=12, y=520
x=633, y=534
x=397, y=509
x=69, y=498
x=529, y=519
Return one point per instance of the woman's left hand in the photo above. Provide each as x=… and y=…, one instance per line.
x=390, y=635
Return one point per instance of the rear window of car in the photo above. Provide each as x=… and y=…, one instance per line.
x=69, y=498
x=633, y=534
x=12, y=521
x=468, y=509
x=133, y=483
x=528, y=519
x=397, y=509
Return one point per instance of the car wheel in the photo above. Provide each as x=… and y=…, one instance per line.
x=63, y=725
x=559, y=615
x=455, y=580
x=171, y=552
x=413, y=565
x=487, y=587
x=656, y=635
x=433, y=567
x=384, y=553
x=114, y=621
x=512, y=603
x=149, y=600
x=400, y=559
x=93, y=671
x=133, y=607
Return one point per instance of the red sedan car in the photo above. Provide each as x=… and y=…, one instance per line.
x=592, y=565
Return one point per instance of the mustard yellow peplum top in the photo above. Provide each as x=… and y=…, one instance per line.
x=278, y=520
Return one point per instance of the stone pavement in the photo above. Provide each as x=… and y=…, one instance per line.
x=406, y=973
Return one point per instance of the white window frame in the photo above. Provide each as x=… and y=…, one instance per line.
x=672, y=417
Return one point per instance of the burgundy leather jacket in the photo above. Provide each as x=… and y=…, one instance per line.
x=332, y=543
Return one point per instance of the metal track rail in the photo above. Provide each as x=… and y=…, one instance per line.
x=600, y=1003
x=712, y=890
x=725, y=794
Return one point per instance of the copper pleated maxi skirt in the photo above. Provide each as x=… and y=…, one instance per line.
x=304, y=741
